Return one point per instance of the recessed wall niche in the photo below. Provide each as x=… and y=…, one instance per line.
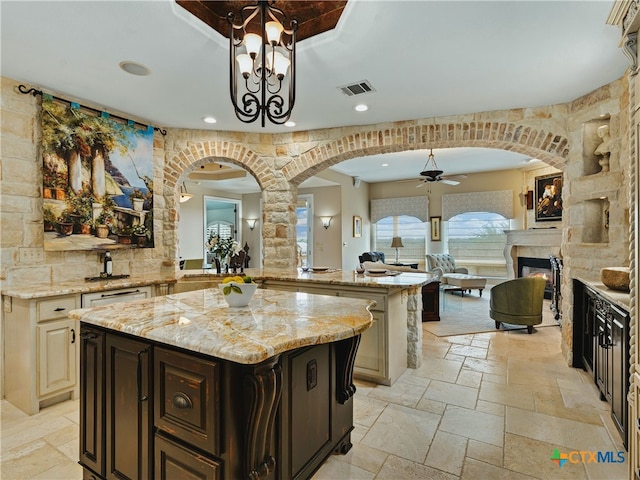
x=592, y=141
x=596, y=221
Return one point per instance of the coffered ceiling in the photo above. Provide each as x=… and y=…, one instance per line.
x=423, y=59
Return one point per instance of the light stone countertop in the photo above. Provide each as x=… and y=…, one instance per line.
x=80, y=286
x=201, y=321
x=622, y=299
x=330, y=277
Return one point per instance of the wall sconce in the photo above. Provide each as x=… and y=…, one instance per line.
x=252, y=223
x=184, y=195
x=326, y=221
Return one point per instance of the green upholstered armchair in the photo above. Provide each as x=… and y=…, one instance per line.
x=518, y=302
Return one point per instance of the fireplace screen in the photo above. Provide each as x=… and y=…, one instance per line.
x=537, y=267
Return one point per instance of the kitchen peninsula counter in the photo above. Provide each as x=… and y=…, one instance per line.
x=183, y=383
x=393, y=343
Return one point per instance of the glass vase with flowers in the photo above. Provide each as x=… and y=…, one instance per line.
x=222, y=249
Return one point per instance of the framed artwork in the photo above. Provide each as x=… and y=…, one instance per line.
x=435, y=228
x=548, y=205
x=97, y=180
x=357, y=226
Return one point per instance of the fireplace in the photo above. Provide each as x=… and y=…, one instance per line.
x=537, y=267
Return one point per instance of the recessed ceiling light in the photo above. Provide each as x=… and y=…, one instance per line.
x=209, y=120
x=135, y=68
x=290, y=124
x=384, y=165
x=361, y=107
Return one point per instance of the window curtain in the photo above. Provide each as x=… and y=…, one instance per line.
x=414, y=206
x=500, y=201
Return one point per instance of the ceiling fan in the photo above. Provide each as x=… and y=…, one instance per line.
x=431, y=173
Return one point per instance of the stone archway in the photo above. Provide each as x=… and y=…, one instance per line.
x=549, y=147
x=198, y=153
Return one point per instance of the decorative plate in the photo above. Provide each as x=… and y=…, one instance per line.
x=377, y=271
x=319, y=269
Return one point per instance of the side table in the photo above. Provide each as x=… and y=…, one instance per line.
x=431, y=302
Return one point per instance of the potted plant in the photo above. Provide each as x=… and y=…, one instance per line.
x=141, y=233
x=49, y=217
x=137, y=199
x=81, y=206
x=65, y=224
x=124, y=235
x=102, y=224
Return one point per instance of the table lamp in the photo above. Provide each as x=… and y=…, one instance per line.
x=396, y=243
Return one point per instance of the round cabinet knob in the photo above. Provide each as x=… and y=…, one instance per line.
x=181, y=400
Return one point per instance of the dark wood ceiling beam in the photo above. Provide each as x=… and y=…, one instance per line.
x=314, y=17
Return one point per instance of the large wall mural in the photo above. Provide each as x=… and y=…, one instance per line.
x=97, y=180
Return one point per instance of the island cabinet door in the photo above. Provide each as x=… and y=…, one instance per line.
x=129, y=415
x=306, y=405
x=92, y=399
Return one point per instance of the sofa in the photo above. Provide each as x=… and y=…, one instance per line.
x=442, y=264
x=457, y=279
x=371, y=257
x=397, y=268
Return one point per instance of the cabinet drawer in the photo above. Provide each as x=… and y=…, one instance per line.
x=54, y=308
x=174, y=461
x=187, y=392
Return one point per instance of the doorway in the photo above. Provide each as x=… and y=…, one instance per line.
x=221, y=217
x=304, y=230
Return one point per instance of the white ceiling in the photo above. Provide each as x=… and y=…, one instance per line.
x=424, y=59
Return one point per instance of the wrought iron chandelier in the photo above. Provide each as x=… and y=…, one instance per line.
x=262, y=52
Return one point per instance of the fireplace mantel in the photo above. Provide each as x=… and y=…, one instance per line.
x=534, y=243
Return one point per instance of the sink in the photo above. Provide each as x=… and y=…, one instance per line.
x=616, y=278
x=112, y=277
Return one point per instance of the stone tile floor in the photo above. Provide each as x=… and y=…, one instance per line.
x=484, y=406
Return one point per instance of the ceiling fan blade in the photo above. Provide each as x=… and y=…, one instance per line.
x=420, y=184
x=455, y=177
x=449, y=182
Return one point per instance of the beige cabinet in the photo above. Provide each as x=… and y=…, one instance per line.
x=382, y=353
x=41, y=355
x=41, y=345
x=56, y=353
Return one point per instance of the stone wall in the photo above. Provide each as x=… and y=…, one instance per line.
x=553, y=134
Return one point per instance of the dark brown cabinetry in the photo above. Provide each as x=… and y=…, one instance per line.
x=92, y=399
x=128, y=419
x=115, y=425
x=149, y=411
x=601, y=347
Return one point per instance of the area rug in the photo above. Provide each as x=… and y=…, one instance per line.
x=470, y=314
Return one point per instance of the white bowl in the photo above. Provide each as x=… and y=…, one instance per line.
x=233, y=297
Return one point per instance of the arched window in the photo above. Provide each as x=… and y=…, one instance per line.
x=413, y=232
x=477, y=236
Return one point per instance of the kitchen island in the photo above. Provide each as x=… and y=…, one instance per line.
x=394, y=341
x=183, y=386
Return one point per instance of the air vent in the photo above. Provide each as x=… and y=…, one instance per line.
x=357, y=88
